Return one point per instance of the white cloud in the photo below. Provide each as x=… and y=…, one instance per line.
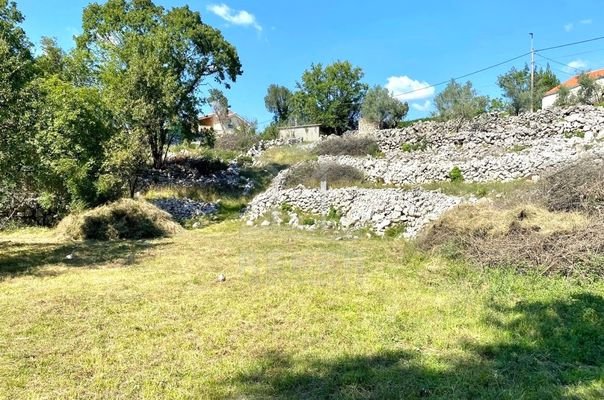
x=241, y=17
x=575, y=66
x=425, y=107
x=405, y=88
x=569, y=27
x=587, y=21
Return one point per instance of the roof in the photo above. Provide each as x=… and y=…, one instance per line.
x=230, y=114
x=574, y=81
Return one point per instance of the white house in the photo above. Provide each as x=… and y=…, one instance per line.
x=550, y=97
x=229, y=125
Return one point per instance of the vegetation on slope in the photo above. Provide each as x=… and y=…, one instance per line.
x=300, y=315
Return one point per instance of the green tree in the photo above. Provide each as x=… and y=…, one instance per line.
x=71, y=129
x=151, y=62
x=565, y=97
x=590, y=92
x=381, y=108
x=330, y=96
x=16, y=73
x=516, y=86
x=220, y=105
x=460, y=102
x=52, y=60
x=277, y=101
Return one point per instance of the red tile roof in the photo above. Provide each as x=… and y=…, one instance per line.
x=574, y=81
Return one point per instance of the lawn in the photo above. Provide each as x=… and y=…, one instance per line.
x=301, y=315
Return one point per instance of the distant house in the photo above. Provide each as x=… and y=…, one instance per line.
x=231, y=123
x=550, y=97
x=308, y=133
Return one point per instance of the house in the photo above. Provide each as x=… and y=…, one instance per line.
x=308, y=133
x=550, y=97
x=232, y=122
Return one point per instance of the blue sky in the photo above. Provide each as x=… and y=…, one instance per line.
x=401, y=44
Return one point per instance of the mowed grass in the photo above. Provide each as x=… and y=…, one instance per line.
x=300, y=316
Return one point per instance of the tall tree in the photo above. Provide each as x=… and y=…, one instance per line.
x=220, y=105
x=460, y=102
x=277, y=101
x=16, y=75
x=382, y=109
x=331, y=96
x=151, y=62
x=516, y=86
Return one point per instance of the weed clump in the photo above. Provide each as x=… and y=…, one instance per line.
x=348, y=146
x=455, y=175
x=124, y=219
x=577, y=187
x=311, y=174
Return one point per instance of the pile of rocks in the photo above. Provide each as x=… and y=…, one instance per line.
x=432, y=165
x=184, y=176
x=184, y=209
x=376, y=208
x=257, y=149
x=494, y=129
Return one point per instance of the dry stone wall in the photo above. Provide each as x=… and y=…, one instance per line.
x=376, y=208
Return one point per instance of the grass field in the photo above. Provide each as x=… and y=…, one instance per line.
x=300, y=316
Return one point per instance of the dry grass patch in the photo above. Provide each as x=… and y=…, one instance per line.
x=310, y=175
x=348, y=146
x=525, y=237
x=124, y=219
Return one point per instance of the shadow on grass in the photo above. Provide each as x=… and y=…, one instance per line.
x=549, y=349
x=27, y=258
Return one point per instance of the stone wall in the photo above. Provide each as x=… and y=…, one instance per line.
x=376, y=208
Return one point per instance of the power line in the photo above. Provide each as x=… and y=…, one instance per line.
x=498, y=65
x=463, y=76
x=558, y=62
x=571, y=44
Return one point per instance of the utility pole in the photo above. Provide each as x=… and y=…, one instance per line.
x=532, y=73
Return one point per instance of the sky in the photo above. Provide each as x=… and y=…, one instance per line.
x=402, y=45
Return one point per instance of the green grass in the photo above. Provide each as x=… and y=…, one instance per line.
x=286, y=156
x=300, y=316
x=480, y=189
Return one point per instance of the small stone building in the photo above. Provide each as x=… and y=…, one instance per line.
x=308, y=133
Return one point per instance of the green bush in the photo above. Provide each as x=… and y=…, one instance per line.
x=395, y=231
x=455, y=175
x=311, y=174
x=409, y=147
x=348, y=146
x=125, y=219
x=333, y=215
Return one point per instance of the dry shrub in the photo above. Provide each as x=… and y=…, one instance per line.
x=347, y=146
x=124, y=219
x=238, y=141
x=577, y=187
x=523, y=237
x=310, y=174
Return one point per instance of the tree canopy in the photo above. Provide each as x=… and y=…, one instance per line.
x=330, y=96
x=516, y=86
x=382, y=109
x=277, y=101
x=151, y=62
x=459, y=101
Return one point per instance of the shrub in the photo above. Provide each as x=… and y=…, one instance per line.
x=455, y=175
x=409, y=147
x=311, y=174
x=395, y=231
x=333, y=215
x=570, y=135
x=521, y=237
x=125, y=219
x=577, y=187
x=238, y=141
x=349, y=146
